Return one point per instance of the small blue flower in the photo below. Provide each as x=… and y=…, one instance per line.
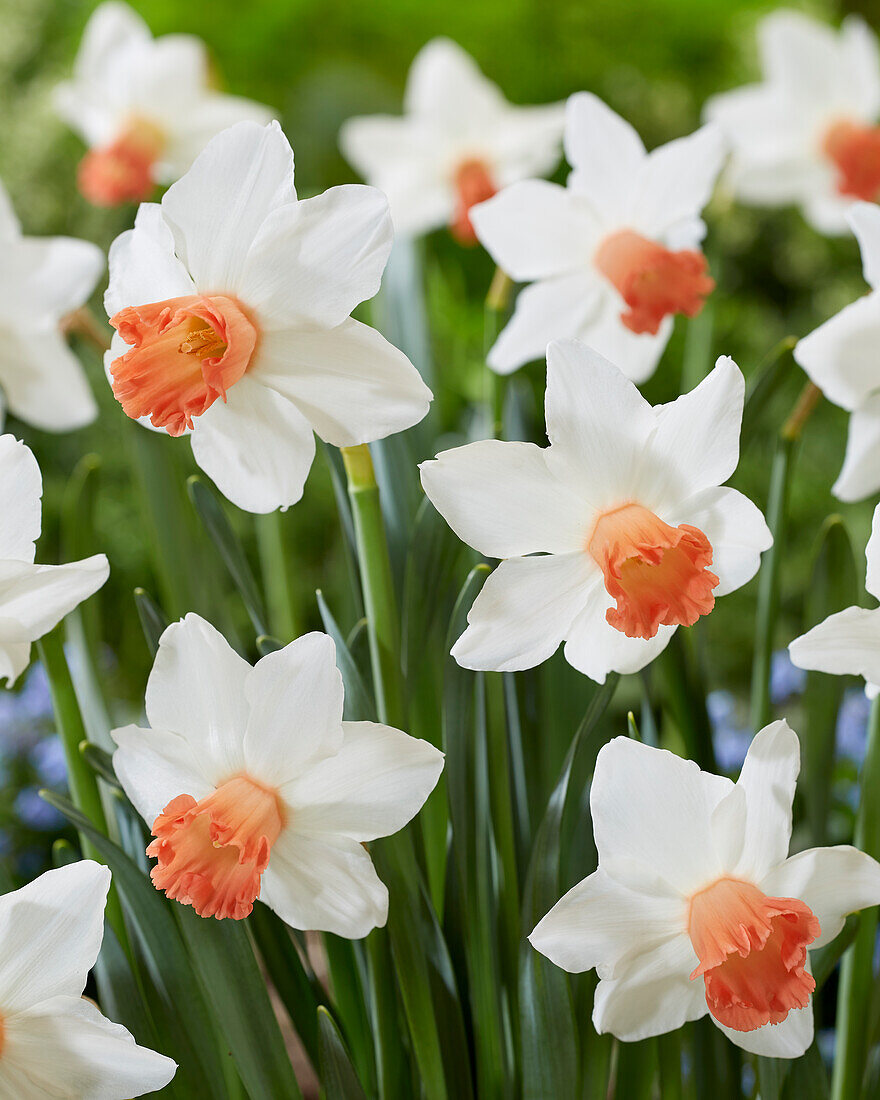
x=47, y=758
x=730, y=737
x=786, y=679
x=35, y=812
x=852, y=724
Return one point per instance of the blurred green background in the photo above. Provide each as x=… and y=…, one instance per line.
x=319, y=61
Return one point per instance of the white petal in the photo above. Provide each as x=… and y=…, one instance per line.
x=845, y=644
x=526, y=141
x=859, y=475
x=216, y=210
x=696, y=441
x=197, y=689
x=295, y=698
x=44, y=278
x=597, y=421
x=677, y=181
x=257, y=447
x=635, y=353
x=864, y=217
x=315, y=883
x=21, y=487
x=154, y=766
x=559, y=308
x=44, y=382
x=502, y=499
x=826, y=211
x=524, y=611
x=446, y=88
x=832, y=881
x=34, y=598
x=652, y=814
x=862, y=62
x=840, y=355
x=10, y=230
x=800, y=53
x=872, y=557
x=51, y=932
x=65, y=1047
x=605, y=151
x=111, y=27
x=381, y=144
x=768, y=777
x=535, y=230
x=600, y=922
x=595, y=648
x=349, y=382
x=206, y=116
x=789, y=1039
x=735, y=528
x=374, y=785
x=653, y=996
x=315, y=260
x=143, y=265
x=14, y=659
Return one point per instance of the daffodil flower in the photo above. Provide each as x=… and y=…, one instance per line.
x=612, y=256
x=457, y=143
x=840, y=356
x=808, y=133
x=53, y=1042
x=144, y=106
x=696, y=906
x=254, y=787
x=613, y=536
x=231, y=302
x=42, y=280
x=33, y=598
x=848, y=642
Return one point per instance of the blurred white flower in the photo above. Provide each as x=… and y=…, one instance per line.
x=457, y=143
x=53, y=1042
x=848, y=642
x=33, y=598
x=42, y=280
x=694, y=883
x=808, y=133
x=233, y=289
x=144, y=106
x=612, y=256
x=840, y=356
x=254, y=787
x=610, y=532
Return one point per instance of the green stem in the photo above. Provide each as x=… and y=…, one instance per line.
x=857, y=968
x=276, y=580
x=82, y=781
x=669, y=1058
x=377, y=583
x=497, y=302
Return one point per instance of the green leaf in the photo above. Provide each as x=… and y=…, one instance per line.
x=764, y=383
x=152, y=619
x=359, y=705
x=100, y=761
x=149, y=917
x=224, y=960
x=807, y=1078
x=823, y=961
x=267, y=644
x=550, y=1044
x=212, y=515
x=338, y=1076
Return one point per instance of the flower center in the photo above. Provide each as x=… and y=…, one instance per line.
x=752, y=951
x=855, y=152
x=652, y=280
x=473, y=183
x=122, y=171
x=658, y=574
x=186, y=352
x=212, y=853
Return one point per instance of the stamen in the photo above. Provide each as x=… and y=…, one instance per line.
x=653, y=281
x=657, y=574
x=753, y=953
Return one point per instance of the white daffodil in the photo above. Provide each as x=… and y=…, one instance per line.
x=608, y=534
x=254, y=787
x=33, y=598
x=848, y=642
x=696, y=906
x=807, y=134
x=231, y=302
x=458, y=142
x=144, y=106
x=53, y=1043
x=612, y=256
x=840, y=356
x=42, y=280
